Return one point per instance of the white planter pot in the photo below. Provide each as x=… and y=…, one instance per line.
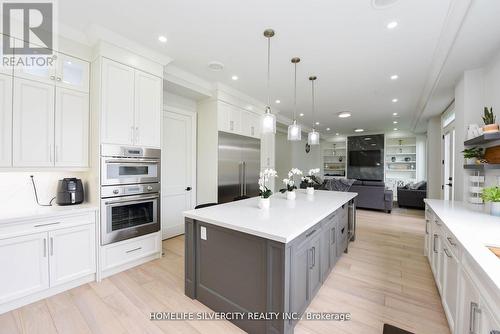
x=310, y=190
x=290, y=195
x=470, y=161
x=495, y=209
x=264, y=203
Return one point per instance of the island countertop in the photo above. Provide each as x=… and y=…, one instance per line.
x=282, y=222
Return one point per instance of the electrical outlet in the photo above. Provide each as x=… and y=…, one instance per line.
x=203, y=233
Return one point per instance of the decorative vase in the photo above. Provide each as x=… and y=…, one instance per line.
x=290, y=195
x=495, y=209
x=264, y=203
x=310, y=190
x=490, y=128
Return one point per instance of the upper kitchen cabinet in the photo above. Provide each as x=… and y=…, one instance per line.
x=72, y=128
x=250, y=124
x=33, y=124
x=5, y=120
x=148, y=95
x=228, y=118
x=3, y=69
x=63, y=71
x=131, y=105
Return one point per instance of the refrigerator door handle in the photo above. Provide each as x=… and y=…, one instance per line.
x=240, y=177
x=244, y=178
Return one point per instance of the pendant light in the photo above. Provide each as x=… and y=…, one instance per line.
x=313, y=136
x=294, y=130
x=268, y=119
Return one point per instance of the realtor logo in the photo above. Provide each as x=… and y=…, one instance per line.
x=32, y=23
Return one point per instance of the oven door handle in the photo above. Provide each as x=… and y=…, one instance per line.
x=131, y=161
x=135, y=199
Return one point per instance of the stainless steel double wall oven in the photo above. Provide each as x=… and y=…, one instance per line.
x=130, y=192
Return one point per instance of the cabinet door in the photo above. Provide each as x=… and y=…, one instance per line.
x=488, y=322
x=267, y=150
x=427, y=238
x=299, y=293
x=441, y=266
x=44, y=74
x=72, y=253
x=72, y=128
x=315, y=266
x=451, y=271
x=25, y=266
x=5, y=120
x=250, y=124
x=229, y=118
x=332, y=249
x=33, y=124
x=325, y=249
x=148, y=92
x=469, y=320
x=117, y=103
x=435, y=253
x=72, y=73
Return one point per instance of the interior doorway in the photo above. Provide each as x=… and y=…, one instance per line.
x=448, y=172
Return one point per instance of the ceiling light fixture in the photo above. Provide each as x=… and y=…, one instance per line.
x=313, y=136
x=344, y=114
x=301, y=115
x=337, y=134
x=216, y=66
x=394, y=100
x=359, y=130
x=278, y=101
x=394, y=77
x=317, y=123
x=392, y=24
x=394, y=122
x=327, y=129
x=395, y=129
x=234, y=77
x=394, y=114
x=162, y=39
x=294, y=130
x=268, y=119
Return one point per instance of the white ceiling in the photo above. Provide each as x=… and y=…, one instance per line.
x=344, y=42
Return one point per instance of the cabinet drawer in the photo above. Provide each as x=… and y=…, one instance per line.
x=48, y=224
x=126, y=251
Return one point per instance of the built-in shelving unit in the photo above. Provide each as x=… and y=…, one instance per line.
x=483, y=139
x=400, y=162
x=334, y=159
x=482, y=166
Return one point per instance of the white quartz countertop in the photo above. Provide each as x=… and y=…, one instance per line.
x=282, y=222
x=19, y=214
x=474, y=230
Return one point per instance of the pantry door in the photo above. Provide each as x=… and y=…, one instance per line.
x=178, y=177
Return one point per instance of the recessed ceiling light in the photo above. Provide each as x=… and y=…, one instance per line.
x=278, y=101
x=234, y=77
x=162, y=39
x=392, y=24
x=394, y=100
x=368, y=138
x=337, y=134
x=344, y=114
x=327, y=129
x=216, y=66
x=317, y=123
x=395, y=129
x=394, y=114
x=394, y=122
x=359, y=130
x=394, y=77
x=374, y=144
x=301, y=115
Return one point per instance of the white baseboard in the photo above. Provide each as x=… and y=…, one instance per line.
x=128, y=265
x=170, y=232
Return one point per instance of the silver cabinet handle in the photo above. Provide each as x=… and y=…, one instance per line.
x=451, y=241
x=310, y=233
x=132, y=134
x=434, y=243
x=52, y=77
x=437, y=222
x=48, y=224
x=427, y=227
x=136, y=134
x=133, y=250
x=44, y=247
x=474, y=309
x=231, y=125
x=314, y=256
x=447, y=252
x=58, y=78
x=51, y=246
x=333, y=235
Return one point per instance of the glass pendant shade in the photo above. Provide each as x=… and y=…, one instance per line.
x=268, y=122
x=294, y=132
x=313, y=138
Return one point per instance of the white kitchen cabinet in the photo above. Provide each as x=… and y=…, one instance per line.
x=267, y=155
x=450, y=287
x=72, y=253
x=4, y=69
x=148, y=96
x=71, y=128
x=5, y=120
x=488, y=321
x=33, y=124
x=228, y=118
x=469, y=319
x=25, y=266
x=43, y=74
x=131, y=106
x=117, y=100
x=72, y=73
x=250, y=124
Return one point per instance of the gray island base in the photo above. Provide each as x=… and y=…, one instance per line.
x=266, y=263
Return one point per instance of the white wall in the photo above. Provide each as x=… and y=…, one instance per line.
x=177, y=101
x=17, y=190
x=434, y=158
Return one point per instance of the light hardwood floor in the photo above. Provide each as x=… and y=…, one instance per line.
x=383, y=279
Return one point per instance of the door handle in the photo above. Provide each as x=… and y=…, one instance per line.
x=449, y=184
x=188, y=189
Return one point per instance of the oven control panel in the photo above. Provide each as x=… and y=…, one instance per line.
x=127, y=190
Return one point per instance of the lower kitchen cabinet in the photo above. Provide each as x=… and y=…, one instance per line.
x=450, y=286
x=314, y=265
x=299, y=293
x=469, y=306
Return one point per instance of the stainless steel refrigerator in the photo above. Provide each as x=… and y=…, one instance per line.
x=239, y=166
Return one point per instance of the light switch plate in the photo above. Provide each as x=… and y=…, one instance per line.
x=203, y=233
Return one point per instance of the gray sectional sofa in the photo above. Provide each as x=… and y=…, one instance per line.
x=372, y=195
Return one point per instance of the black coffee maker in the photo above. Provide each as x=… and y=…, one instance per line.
x=69, y=191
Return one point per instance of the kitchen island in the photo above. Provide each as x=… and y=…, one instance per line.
x=268, y=264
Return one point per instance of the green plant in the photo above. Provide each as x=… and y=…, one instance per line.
x=474, y=152
x=489, y=117
x=491, y=194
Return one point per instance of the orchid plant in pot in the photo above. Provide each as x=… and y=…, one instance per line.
x=290, y=183
x=264, y=191
x=311, y=179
